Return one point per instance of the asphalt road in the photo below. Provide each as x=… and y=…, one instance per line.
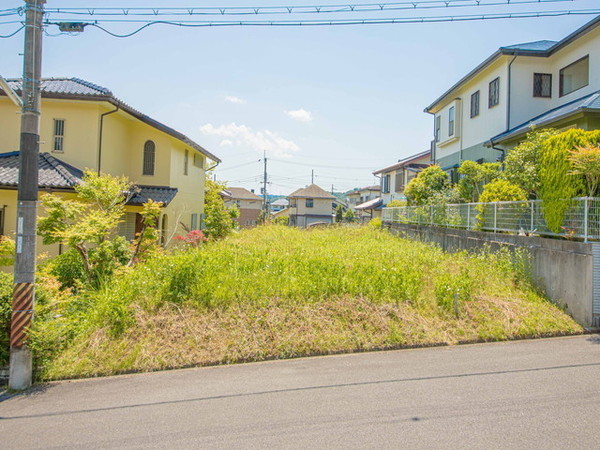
x=525, y=394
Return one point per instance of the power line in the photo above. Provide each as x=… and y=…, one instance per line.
x=6, y=36
x=240, y=165
x=333, y=22
x=287, y=10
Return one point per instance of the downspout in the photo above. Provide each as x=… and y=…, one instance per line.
x=100, y=137
x=509, y=91
x=498, y=149
x=211, y=168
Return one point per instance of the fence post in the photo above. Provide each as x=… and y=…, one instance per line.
x=431, y=215
x=495, y=215
x=585, y=219
x=532, y=216
x=447, y=215
x=468, y=216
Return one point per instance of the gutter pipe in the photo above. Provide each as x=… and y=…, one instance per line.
x=100, y=137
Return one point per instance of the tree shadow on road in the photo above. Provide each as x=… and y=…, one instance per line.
x=38, y=389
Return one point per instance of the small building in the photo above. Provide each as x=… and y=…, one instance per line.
x=249, y=204
x=279, y=204
x=311, y=205
x=394, y=178
x=358, y=196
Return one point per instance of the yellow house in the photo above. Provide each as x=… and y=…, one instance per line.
x=84, y=126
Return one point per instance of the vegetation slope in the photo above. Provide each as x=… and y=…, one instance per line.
x=279, y=292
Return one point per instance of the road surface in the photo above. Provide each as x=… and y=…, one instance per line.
x=524, y=394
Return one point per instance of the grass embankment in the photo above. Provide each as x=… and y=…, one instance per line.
x=277, y=292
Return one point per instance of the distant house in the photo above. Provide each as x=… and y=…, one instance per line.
x=360, y=195
x=279, y=204
x=542, y=83
x=311, y=205
x=249, y=204
x=85, y=126
x=394, y=178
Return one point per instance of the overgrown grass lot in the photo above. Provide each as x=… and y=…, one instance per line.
x=278, y=292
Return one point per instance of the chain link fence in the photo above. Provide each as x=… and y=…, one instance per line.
x=581, y=219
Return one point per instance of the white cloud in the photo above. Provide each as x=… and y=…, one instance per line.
x=301, y=115
x=234, y=99
x=244, y=136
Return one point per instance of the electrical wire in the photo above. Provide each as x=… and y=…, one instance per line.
x=240, y=165
x=336, y=22
x=6, y=36
x=288, y=10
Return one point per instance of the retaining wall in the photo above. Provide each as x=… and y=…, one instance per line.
x=568, y=271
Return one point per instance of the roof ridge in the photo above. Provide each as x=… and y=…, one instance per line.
x=59, y=165
x=91, y=85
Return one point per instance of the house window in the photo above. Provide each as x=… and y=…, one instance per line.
x=451, y=121
x=542, y=85
x=194, y=224
x=474, y=104
x=575, y=76
x=309, y=202
x=385, y=184
x=494, y=92
x=399, y=181
x=59, y=135
x=149, y=158
x=438, y=126
x=198, y=160
x=186, y=161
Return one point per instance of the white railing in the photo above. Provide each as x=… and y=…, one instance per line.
x=581, y=218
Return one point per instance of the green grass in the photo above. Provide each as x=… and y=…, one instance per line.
x=278, y=292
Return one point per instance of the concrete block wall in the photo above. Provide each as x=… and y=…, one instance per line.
x=564, y=270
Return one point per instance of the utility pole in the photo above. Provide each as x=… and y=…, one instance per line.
x=312, y=176
x=20, y=372
x=265, y=202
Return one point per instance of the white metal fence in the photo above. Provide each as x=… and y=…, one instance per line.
x=581, y=218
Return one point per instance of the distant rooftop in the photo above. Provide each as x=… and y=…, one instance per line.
x=312, y=191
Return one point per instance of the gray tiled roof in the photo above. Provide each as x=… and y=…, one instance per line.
x=53, y=173
x=404, y=162
x=590, y=102
x=311, y=191
x=76, y=88
x=532, y=46
x=162, y=194
x=57, y=174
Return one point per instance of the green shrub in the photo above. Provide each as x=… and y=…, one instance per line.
x=558, y=183
x=281, y=220
x=499, y=190
x=474, y=177
x=430, y=184
x=6, y=288
x=376, y=222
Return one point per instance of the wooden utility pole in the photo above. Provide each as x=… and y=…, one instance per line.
x=20, y=373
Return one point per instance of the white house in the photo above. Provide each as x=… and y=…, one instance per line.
x=310, y=205
x=542, y=83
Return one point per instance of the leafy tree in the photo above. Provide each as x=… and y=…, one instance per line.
x=474, y=177
x=349, y=216
x=339, y=214
x=88, y=224
x=522, y=163
x=219, y=220
x=430, y=185
x=585, y=161
x=558, y=183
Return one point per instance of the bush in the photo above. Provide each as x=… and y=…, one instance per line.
x=474, y=177
x=6, y=288
x=429, y=185
x=376, y=222
x=281, y=220
x=558, y=183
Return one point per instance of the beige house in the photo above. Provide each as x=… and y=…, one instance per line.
x=394, y=178
x=249, y=204
x=361, y=195
x=310, y=205
x=542, y=84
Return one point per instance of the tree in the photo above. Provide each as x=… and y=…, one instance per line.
x=585, y=161
x=339, y=214
x=430, y=185
x=558, y=183
x=474, y=177
x=219, y=220
x=501, y=190
x=88, y=224
x=522, y=163
x=349, y=216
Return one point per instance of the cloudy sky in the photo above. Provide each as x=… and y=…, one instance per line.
x=341, y=101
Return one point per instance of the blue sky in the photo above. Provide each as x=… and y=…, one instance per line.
x=340, y=100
